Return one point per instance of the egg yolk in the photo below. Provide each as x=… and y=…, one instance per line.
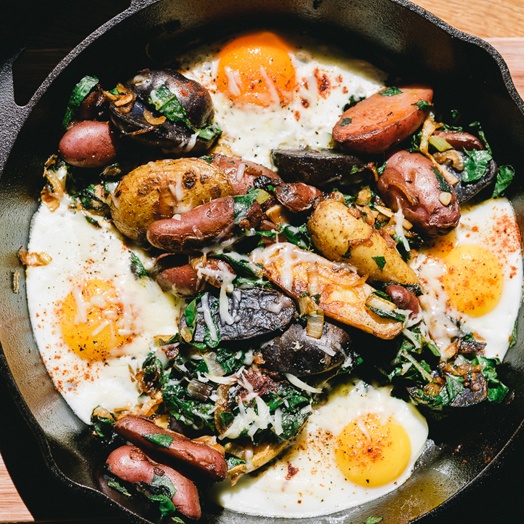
x=92, y=320
x=474, y=279
x=372, y=453
x=256, y=69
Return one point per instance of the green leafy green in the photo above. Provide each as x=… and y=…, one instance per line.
x=442, y=182
x=79, y=93
x=353, y=100
x=391, y=91
x=505, y=176
x=243, y=204
x=380, y=261
x=387, y=314
x=475, y=165
x=160, y=490
x=423, y=105
x=233, y=461
x=186, y=409
x=118, y=487
x=345, y=121
x=166, y=103
x=159, y=439
x=137, y=268
x=297, y=235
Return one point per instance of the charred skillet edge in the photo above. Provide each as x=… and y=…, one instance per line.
x=13, y=116
x=47, y=453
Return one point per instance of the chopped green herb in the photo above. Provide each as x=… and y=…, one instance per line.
x=442, y=182
x=505, y=176
x=381, y=262
x=298, y=235
x=475, y=165
x=481, y=135
x=137, y=268
x=391, y=91
x=93, y=222
x=423, y=105
x=79, y=93
x=387, y=314
x=353, y=100
x=233, y=461
x=159, y=439
x=118, y=487
x=166, y=103
x=345, y=121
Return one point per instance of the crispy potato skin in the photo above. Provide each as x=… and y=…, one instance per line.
x=163, y=188
x=339, y=233
x=379, y=122
x=409, y=181
x=342, y=292
x=89, y=143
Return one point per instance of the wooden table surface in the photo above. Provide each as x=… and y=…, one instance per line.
x=501, y=23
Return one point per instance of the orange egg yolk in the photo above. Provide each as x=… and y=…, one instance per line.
x=371, y=452
x=92, y=320
x=256, y=69
x=474, y=279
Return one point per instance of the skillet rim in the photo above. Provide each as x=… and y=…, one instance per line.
x=23, y=113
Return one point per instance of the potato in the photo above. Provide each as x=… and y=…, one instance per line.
x=339, y=233
x=383, y=120
x=163, y=188
x=411, y=182
x=341, y=293
x=89, y=144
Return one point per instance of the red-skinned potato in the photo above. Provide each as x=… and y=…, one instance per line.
x=89, y=144
x=410, y=181
x=382, y=120
x=132, y=465
x=180, y=449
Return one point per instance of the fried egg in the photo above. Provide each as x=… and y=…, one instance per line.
x=94, y=322
x=359, y=445
x=269, y=92
x=472, y=278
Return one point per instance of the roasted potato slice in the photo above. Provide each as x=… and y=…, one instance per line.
x=339, y=233
x=340, y=291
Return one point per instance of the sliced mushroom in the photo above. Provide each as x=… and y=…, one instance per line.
x=299, y=354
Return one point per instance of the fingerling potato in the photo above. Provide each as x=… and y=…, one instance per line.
x=339, y=233
x=163, y=188
x=383, y=119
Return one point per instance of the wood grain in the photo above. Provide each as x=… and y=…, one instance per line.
x=483, y=18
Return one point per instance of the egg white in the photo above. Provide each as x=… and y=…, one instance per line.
x=250, y=131
x=305, y=481
x=80, y=252
x=491, y=224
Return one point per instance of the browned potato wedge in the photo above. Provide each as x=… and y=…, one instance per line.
x=382, y=120
x=163, y=188
x=339, y=233
x=341, y=292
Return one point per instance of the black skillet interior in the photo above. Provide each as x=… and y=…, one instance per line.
x=395, y=35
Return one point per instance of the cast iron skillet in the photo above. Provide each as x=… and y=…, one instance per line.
x=401, y=38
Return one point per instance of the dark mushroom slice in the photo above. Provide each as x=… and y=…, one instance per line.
x=182, y=123
x=465, y=189
x=299, y=354
x=250, y=313
x=323, y=168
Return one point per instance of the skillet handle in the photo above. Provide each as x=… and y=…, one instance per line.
x=12, y=116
